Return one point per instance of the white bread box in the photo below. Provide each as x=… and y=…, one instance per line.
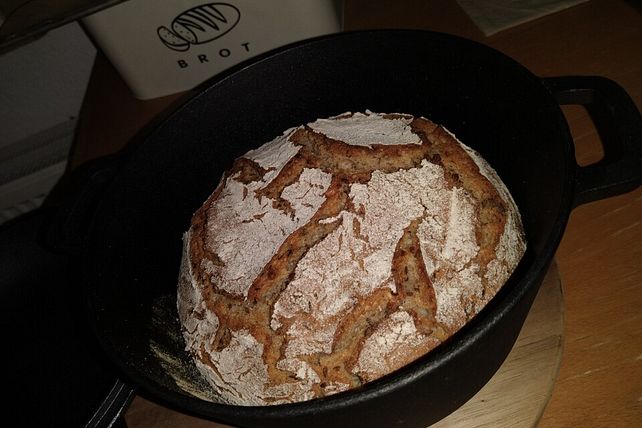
x=161, y=48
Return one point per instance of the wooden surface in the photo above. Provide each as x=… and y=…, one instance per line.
x=600, y=256
x=515, y=396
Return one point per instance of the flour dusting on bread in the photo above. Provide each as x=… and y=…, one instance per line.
x=339, y=252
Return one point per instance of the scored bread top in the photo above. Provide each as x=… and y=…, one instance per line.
x=339, y=252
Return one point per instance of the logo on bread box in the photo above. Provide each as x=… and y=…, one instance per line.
x=199, y=25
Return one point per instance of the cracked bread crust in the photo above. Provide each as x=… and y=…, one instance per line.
x=339, y=252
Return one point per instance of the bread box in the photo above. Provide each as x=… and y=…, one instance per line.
x=161, y=48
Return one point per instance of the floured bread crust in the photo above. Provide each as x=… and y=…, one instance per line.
x=339, y=252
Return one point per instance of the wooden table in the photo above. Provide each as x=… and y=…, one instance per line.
x=600, y=256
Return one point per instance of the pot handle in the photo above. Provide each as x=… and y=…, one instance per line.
x=70, y=205
x=619, y=125
x=111, y=412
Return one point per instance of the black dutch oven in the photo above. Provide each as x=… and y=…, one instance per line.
x=132, y=246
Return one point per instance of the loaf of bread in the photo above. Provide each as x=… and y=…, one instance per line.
x=339, y=252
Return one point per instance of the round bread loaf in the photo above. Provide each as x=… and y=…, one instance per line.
x=339, y=252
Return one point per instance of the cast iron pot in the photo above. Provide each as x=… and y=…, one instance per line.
x=131, y=253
